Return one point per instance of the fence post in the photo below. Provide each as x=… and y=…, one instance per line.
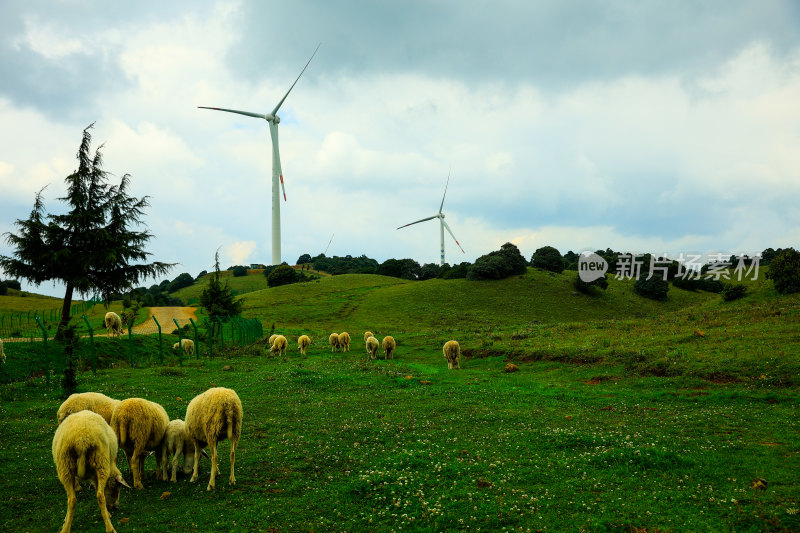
x=160, y=352
x=91, y=341
x=44, y=347
x=196, y=339
x=209, y=337
x=221, y=333
x=180, y=342
x=130, y=345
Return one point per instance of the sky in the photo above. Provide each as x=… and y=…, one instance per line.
x=663, y=127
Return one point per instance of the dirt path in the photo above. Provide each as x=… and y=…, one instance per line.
x=164, y=315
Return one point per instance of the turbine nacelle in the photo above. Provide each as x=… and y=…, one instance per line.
x=272, y=118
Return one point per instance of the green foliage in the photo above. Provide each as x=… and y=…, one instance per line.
x=548, y=258
x=784, y=271
x=181, y=281
x=654, y=288
x=13, y=284
x=400, y=268
x=698, y=284
x=3, y=288
x=92, y=247
x=588, y=288
x=217, y=298
x=507, y=261
x=344, y=265
x=282, y=274
x=733, y=292
x=201, y=274
x=239, y=271
x=458, y=271
x=305, y=258
x=429, y=271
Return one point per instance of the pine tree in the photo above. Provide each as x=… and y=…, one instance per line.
x=218, y=300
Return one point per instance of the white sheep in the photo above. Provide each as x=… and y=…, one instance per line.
x=372, y=347
x=113, y=324
x=452, y=352
x=85, y=448
x=279, y=345
x=140, y=426
x=187, y=345
x=367, y=335
x=389, y=346
x=272, y=339
x=91, y=401
x=211, y=417
x=334, y=341
x=177, y=442
x=303, y=342
x=344, y=341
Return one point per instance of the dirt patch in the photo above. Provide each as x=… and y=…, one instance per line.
x=165, y=316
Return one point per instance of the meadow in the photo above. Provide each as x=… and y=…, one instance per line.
x=625, y=415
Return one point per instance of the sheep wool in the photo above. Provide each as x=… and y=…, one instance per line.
x=85, y=448
x=272, y=339
x=344, y=341
x=334, y=341
x=187, y=345
x=279, y=345
x=452, y=353
x=211, y=417
x=140, y=426
x=367, y=335
x=372, y=347
x=91, y=401
x=303, y=342
x=113, y=324
x=177, y=442
x=389, y=346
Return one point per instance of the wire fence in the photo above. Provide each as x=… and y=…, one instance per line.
x=22, y=324
x=149, y=343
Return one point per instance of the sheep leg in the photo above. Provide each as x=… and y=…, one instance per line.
x=137, y=468
x=196, y=460
x=72, y=500
x=101, y=501
x=174, y=477
x=458, y=363
x=161, y=466
x=212, y=444
x=233, y=459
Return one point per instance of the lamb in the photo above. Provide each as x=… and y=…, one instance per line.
x=372, y=347
x=279, y=345
x=85, y=447
x=389, y=346
x=187, y=345
x=367, y=335
x=212, y=416
x=176, y=442
x=334, y=341
x=344, y=341
x=113, y=324
x=452, y=352
x=140, y=426
x=91, y=401
x=303, y=342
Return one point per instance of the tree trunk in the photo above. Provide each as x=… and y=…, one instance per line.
x=65, y=310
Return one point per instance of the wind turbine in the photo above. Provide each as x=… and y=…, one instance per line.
x=442, y=224
x=277, y=173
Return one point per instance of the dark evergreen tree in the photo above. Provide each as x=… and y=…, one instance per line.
x=93, y=247
x=218, y=300
x=548, y=258
x=784, y=271
x=183, y=280
x=239, y=271
x=281, y=275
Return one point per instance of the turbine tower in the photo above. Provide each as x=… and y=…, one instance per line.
x=277, y=173
x=442, y=224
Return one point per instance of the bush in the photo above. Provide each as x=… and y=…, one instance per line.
x=458, y=271
x=305, y=258
x=239, y=271
x=700, y=284
x=429, y=271
x=3, y=288
x=400, y=268
x=654, y=288
x=500, y=264
x=183, y=280
x=588, y=288
x=733, y=292
x=13, y=284
x=784, y=271
x=201, y=274
x=282, y=274
x=548, y=258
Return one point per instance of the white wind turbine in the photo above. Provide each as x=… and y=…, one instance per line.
x=277, y=173
x=442, y=224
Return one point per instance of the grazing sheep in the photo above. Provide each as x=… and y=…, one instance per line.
x=372, y=347
x=213, y=416
x=113, y=324
x=85, y=447
x=334, y=341
x=140, y=426
x=91, y=401
x=279, y=345
x=187, y=345
x=452, y=352
x=303, y=342
x=344, y=341
x=272, y=339
x=389, y=346
x=367, y=335
x=177, y=442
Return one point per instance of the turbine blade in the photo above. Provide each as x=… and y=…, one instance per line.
x=445, y=191
x=273, y=132
x=245, y=113
x=295, y=81
x=418, y=221
x=451, y=234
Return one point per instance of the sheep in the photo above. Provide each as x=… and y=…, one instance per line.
x=303, y=342
x=113, y=324
x=91, y=401
x=452, y=352
x=272, y=339
x=212, y=416
x=334, y=341
x=372, y=347
x=85, y=447
x=279, y=345
x=367, y=335
x=389, y=346
x=140, y=426
x=187, y=345
x=344, y=341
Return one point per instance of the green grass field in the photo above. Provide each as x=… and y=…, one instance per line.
x=625, y=415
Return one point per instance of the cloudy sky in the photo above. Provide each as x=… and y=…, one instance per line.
x=642, y=126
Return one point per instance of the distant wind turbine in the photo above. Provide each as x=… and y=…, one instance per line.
x=277, y=173
x=442, y=224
